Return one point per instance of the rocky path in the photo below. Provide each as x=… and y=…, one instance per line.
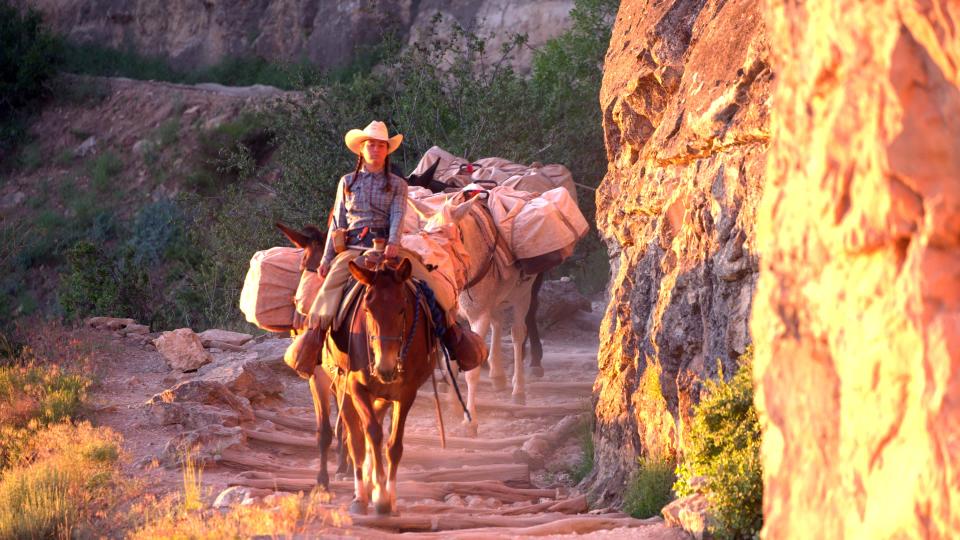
x=257, y=436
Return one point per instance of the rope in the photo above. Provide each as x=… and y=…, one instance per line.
x=413, y=329
x=436, y=400
x=456, y=388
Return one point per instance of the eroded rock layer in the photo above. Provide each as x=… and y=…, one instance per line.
x=685, y=91
x=857, y=315
x=328, y=33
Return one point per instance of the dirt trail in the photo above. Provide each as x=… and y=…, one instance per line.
x=513, y=480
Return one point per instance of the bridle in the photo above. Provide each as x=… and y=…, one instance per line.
x=405, y=341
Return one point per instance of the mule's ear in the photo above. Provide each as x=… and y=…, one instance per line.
x=298, y=238
x=426, y=179
x=361, y=274
x=403, y=270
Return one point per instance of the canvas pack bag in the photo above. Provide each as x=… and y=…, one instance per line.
x=267, y=298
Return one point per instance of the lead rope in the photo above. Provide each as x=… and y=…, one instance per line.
x=456, y=388
x=413, y=330
x=436, y=401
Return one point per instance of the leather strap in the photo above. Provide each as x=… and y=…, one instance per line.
x=493, y=250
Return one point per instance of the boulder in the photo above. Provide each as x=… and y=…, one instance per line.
x=206, y=392
x=685, y=99
x=559, y=300
x=138, y=329
x=183, y=349
x=239, y=496
x=12, y=200
x=192, y=415
x=86, y=147
x=204, y=445
x=270, y=352
x=243, y=374
x=690, y=514
x=223, y=336
x=143, y=147
x=856, y=323
x=110, y=323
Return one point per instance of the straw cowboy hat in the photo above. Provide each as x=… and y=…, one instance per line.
x=376, y=130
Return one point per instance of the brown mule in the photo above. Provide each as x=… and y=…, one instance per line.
x=391, y=354
x=312, y=241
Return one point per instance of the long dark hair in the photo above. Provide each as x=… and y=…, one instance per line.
x=356, y=172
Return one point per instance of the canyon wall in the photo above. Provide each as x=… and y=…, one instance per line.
x=685, y=115
x=856, y=319
x=195, y=33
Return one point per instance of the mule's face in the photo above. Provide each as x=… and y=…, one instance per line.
x=385, y=322
x=387, y=317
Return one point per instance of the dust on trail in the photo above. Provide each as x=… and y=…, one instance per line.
x=489, y=487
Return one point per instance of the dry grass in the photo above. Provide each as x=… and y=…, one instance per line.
x=280, y=516
x=65, y=485
x=61, y=479
x=32, y=397
x=192, y=483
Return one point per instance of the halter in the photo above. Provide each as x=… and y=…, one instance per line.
x=405, y=341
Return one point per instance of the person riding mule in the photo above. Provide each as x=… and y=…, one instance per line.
x=370, y=205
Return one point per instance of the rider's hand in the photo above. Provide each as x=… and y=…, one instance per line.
x=391, y=251
x=323, y=269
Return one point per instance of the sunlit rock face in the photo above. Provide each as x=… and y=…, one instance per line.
x=329, y=33
x=856, y=320
x=685, y=99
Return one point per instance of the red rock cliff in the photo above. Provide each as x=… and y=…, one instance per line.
x=857, y=314
x=685, y=91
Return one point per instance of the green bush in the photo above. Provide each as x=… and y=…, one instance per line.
x=102, y=170
x=650, y=488
x=93, y=59
x=100, y=284
x=167, y=132
x=231, y=151
x=222, y=238
x=158, y=228
x=584, y=466
x=724, y=448
x=29, y=57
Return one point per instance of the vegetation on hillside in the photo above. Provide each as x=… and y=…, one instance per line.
x=181, y=261
x=29, y=57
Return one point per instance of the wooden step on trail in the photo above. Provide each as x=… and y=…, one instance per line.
x=412, y=455
x=517, y=411
x=516, y=475
x=308, y=425
x=573, y=505
x=411, y=490
x=565, y=525
x=408, y=522
x=568, y=388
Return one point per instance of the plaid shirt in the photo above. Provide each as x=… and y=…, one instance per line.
x=368, y=205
